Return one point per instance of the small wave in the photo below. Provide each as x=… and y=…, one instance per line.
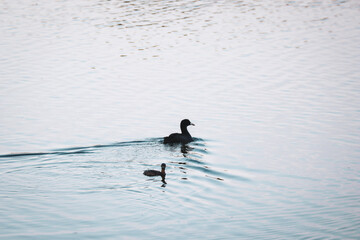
x=92, y=148
x=79, y=150
x=25, y=154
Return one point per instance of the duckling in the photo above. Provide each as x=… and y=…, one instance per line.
x=153, y=173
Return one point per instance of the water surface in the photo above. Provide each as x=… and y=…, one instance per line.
x=88, y=88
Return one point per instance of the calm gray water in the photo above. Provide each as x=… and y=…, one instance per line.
x=89, y=87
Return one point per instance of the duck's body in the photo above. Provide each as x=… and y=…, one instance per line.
x=178, y=138
x=183, y=137
x=153, y=173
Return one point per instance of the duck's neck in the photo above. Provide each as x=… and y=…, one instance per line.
x=184, y=130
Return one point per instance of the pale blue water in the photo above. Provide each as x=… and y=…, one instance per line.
x=89, y=88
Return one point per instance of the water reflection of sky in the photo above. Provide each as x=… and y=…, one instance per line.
x=271, y=86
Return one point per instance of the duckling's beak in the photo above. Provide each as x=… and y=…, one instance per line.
x=192, y=124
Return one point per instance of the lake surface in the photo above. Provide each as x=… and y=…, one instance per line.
x=89, y=88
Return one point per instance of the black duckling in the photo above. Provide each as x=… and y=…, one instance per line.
x=183, y=137
x=153, y=173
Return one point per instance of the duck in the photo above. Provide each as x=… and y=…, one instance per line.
x=153, y=173
x=184, y=137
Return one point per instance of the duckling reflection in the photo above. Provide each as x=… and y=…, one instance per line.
x=154, y=173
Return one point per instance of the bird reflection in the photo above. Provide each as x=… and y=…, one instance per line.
x=164, y=183
x=185, y=149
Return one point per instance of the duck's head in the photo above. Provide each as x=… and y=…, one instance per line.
x=186, y=122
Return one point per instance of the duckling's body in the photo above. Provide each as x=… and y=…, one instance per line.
x=153, y=173
x=183, y=137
